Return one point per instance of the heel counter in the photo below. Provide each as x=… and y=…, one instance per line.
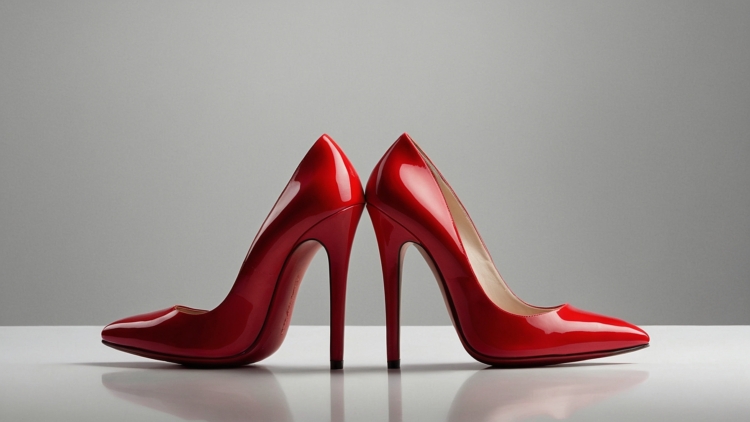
x=336, y=171
x=345, y=171
x=379, y=180
x=332, y=181
x=386, y=187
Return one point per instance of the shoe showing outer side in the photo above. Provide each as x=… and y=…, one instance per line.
x=320, y=206
x=410, y=202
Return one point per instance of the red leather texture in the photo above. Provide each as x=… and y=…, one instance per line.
x=407, y=205
x=320, y=206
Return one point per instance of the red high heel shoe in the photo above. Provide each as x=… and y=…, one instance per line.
x=321, y=205
x=409, y=201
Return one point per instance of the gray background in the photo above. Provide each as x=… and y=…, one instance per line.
x=601, y=148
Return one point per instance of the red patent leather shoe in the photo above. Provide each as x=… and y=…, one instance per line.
x=320, y=206
x=410, y=202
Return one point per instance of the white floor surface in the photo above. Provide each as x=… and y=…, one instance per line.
x=65, y=373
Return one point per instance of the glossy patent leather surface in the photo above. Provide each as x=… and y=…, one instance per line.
x=407, y=206
x=320, y=206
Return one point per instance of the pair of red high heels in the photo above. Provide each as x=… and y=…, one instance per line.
x=409, y=201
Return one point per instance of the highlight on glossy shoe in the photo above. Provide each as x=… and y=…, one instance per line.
x=411, y=203
x=320, y=207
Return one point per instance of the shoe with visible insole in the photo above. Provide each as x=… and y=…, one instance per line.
x=410, y=202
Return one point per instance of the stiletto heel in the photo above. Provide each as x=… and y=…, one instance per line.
x=410, y=202
x=336, y=234
x=320, y=206
x=392, y=239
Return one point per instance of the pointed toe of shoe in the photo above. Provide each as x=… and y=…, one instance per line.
x=621, y=335
x=642, y=337
x=593, y=333
x=138, y=331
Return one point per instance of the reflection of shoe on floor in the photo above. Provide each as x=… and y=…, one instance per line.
x=247, y=394
x=496, y=395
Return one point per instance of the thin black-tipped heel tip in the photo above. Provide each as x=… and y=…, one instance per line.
x=337, y=364
x=394, y=364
